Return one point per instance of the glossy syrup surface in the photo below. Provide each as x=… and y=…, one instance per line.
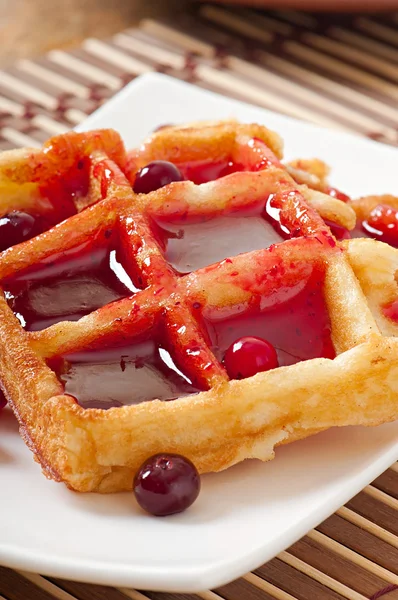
x=128, y=375
x=363, y=229
x=68, y=286
x=65, y=189
x=196, y=243
x=382, y=224
x=193, y=245
x=298, y=328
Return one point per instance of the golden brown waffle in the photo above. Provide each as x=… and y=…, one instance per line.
x=376, y=215
x=352, y=381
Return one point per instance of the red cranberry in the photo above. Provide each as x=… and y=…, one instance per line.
x=3, y=400
x=248, y=356
x=166, y=484
x=16, y=227
x=382, y=224
x=335, y=193
x=155, y=175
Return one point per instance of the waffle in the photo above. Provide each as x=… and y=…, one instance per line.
x=376, y=215
x=339, y=354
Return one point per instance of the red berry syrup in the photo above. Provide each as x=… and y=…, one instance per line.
x=112, y=377
x=68, y=286
x=298, y=328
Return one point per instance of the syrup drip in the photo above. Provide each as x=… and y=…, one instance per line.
x=67, y=288
x=130, y=375
x=298, y=328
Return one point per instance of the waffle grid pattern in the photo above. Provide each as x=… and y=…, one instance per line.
x=354, y=553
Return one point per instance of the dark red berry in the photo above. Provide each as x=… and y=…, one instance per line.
x=3, y=400
x=166, y=484
x=155, y=175
x=248, y=356
x=335, y=193
x=16, y=227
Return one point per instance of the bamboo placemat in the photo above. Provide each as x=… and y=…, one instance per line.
x=341, y=72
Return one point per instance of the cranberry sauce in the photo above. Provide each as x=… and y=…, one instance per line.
x=68, y=287
x=361, y=230
x=65, y=189
x=17, y=227
x=389, y=235
x=391, y=311
x=61, y=192
x=298, y=328
x=192, y=245
x=381, y=224
x=125, y=375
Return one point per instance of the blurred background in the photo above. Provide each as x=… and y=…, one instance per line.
x=31, y=27
x=330, y=62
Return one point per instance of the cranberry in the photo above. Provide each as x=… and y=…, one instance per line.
x=16, y=227
x=3, y=400
x=155, y=175
x=166, y=484
x=335, y=193
x=248, y=356
x=382, y=224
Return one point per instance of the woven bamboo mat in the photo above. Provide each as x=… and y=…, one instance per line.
x=340, y=72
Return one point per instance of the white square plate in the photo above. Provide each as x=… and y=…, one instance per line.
x=244, y=516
